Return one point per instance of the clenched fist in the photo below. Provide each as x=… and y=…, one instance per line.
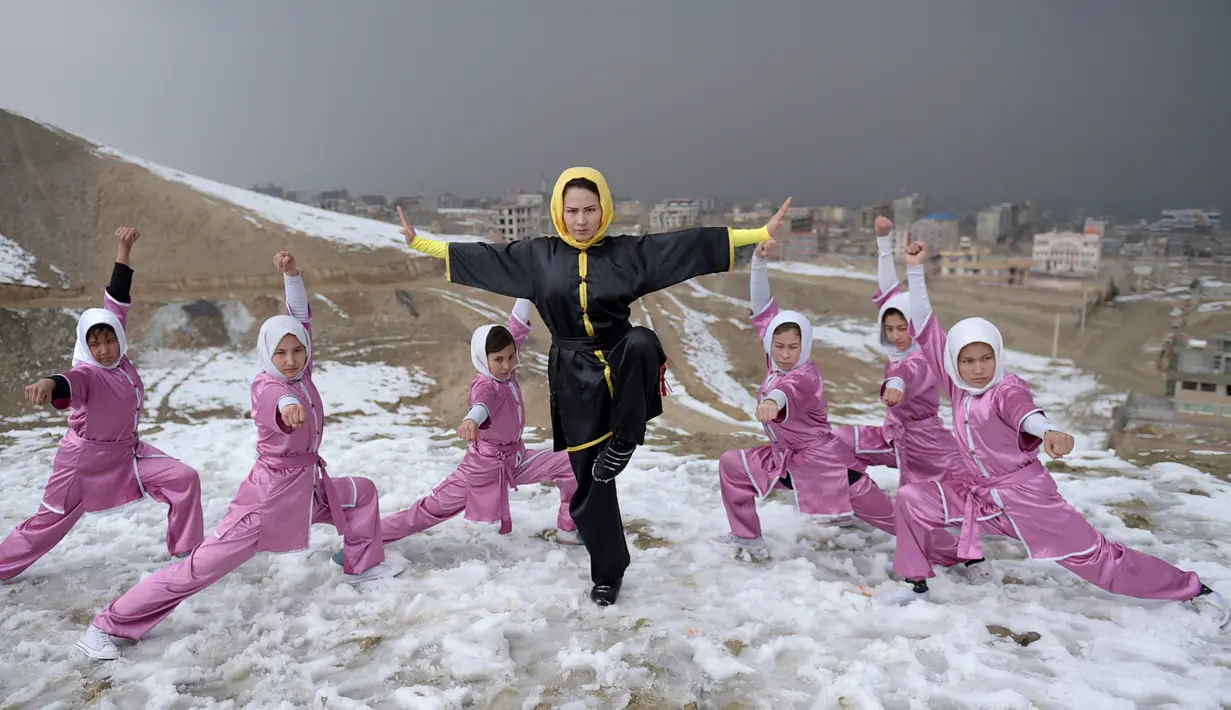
x=469, y=430
x=767, y=411
x=1057, y=443
x=294, y=415
x=892, y=396
x=40, y=392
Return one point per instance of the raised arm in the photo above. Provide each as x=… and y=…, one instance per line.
x=499, y=268
x=296, y=296
x=928, y=333
x=758, y=280
x=296, y=291
x=886, y=274
x=519, y=322
x=118, y=296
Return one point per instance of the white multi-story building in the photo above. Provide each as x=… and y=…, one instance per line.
x=1066, y=253
x=674, y=215
x=512, y=221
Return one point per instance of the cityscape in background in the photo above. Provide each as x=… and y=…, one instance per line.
x=1013, y=245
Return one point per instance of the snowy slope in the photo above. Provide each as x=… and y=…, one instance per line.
x=16, y=264
x=353, y=231
x=488, y=621
x=312, y=221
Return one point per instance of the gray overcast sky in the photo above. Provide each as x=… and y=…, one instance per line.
x=1118, y=104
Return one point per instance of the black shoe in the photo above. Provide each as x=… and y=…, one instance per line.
x=605, y=594
x=612, y=460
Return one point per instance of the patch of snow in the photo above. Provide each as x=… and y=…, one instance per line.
x=64, y=280
x=707, y=356
x=1212, y=306
x=487, y=620
x=336, y=308
x=16, y=264
x=805, y=269
x=1175, y=293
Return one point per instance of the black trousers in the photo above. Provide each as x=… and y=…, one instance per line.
x=636, y=376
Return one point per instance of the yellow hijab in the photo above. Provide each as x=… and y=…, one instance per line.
x=604, y=203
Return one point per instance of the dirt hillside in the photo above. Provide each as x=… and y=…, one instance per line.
x=201, y=259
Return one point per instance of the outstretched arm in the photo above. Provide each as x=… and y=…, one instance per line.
x=676, y=257
x=499, y=268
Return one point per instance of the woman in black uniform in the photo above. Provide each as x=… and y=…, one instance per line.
x=605, y=376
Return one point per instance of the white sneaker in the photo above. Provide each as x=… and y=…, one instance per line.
x=751, y=545
x=1212, y=606
x=567, y=537
x=979, y=572
x=384, y=569
x=97, y=644
x=901, y=596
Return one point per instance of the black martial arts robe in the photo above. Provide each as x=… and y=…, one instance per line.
x=584, y=299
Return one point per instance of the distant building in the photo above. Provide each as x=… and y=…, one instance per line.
x=629, y=209
x=908, y=209
x=1199, y=376
x=868, y=215
x=803, y=243
x=832, y=215
x=374, y=200
x=938, y=231
x=994, y=224
x=511, y=221
x=674, y=215
x=1066, y=253
x=1188, y=220
x=271, y=189
x=411, y=203
x=977, y=262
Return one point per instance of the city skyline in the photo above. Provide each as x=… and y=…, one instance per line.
x=1108, y=104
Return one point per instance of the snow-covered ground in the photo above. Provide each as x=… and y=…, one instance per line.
x=16, y=264
x=806, y=269
x=488, y=621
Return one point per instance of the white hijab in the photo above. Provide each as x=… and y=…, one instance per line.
x=805, y=336
x=900, y=302
x=272, y=332
x=965, y=332
x=90, y=318
x=478, y=350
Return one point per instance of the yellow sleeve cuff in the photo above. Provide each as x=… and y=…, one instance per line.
x=431, y=247
x=744, y=237
x=436, y=248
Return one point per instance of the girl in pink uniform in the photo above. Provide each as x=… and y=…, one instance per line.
x=1010, y=492
x=101, y=463
x=913, y=439
x=285, y=493
x=803, y=453
x=496, y=459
